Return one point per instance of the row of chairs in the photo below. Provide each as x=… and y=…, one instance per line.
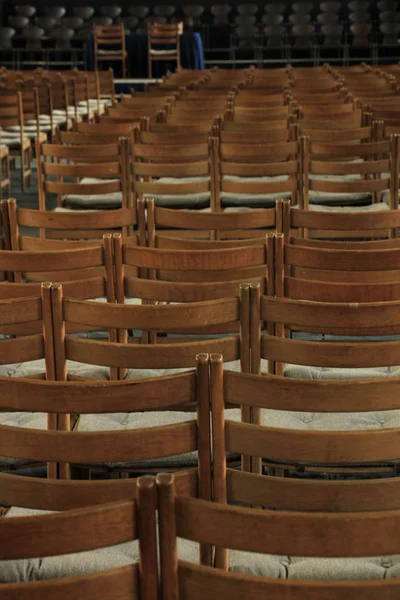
x=193, y=506
x=335, y=291
x=231, y=174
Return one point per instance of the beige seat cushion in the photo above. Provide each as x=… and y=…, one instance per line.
x=163, y=52
x=80, y=563
x=68, y=565
x=249, y=200
x=377, y=207
x=196, y=200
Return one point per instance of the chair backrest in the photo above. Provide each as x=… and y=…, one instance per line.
x=337, y=359
x=26, y=323
x=88, y=225
x=337, y=169
x=264, y=171
x=334, y=226
x=273, y=533
x=349, y=274
x=186, y=275
x=101, y=176
x=109, y=524
x=268, y=394
x=163, y=34
x=11, y=109
x=120, y=355
x=166, y=395
x=174, y=175
x=112, y=35
x=85, y=269
x=167, y=228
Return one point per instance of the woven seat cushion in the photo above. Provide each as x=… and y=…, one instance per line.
x=377, y=207
x=163, y=52
x=109, y=52
x=339, y=199
x=29, y=128
x=334, y=421
x=94, y=101
x=93, y=201
x=231, y=199
x=323, y=569
x=13, y=142
x=196, y=200
x=71, y=111
x=25, y=420
x=68, y=565
x=80, y=563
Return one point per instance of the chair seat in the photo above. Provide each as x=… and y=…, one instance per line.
x=68, y=565
x=246, y=199
x=116, y=53
x=229, y=199
x=377, y=207
x=339, y=199
x=155, y=52
x=93, y=201
x=25, y=420
x=79, y=563
x=14, y=142
x=324, y=569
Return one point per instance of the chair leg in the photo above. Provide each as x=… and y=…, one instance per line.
x=30, y=158
x=22, y=169
x=8, y=172
x=150, y=68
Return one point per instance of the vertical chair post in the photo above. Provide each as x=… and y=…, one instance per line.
x=218, y=443
x=245, y=354
x=63, y=422
x=204, y=441
x=50, y=358
x=166, y=495
x=146, y=513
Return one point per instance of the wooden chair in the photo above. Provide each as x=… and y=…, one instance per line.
x=166, y=228
x=102, y=560
x=101, y=174
x=163, y=35
x=73, y=225
x=291, y=497
x=255, y=175
x=186, y=275
x=243, y=114
x=105, y=86
x=232, y=132
x=276, y=406
x=351, y=229
x=327, y=359
x=61, y=91
x=11, y=115
x=138, y=361
x=335, y=176
x=109, y=36
x=26, y=351
x=174, y=175
x=162, y=410
x=348, y=274
x=199, y=317
x=266, y=535
x=86, y=133
x=162, y=133
x=351, y=349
